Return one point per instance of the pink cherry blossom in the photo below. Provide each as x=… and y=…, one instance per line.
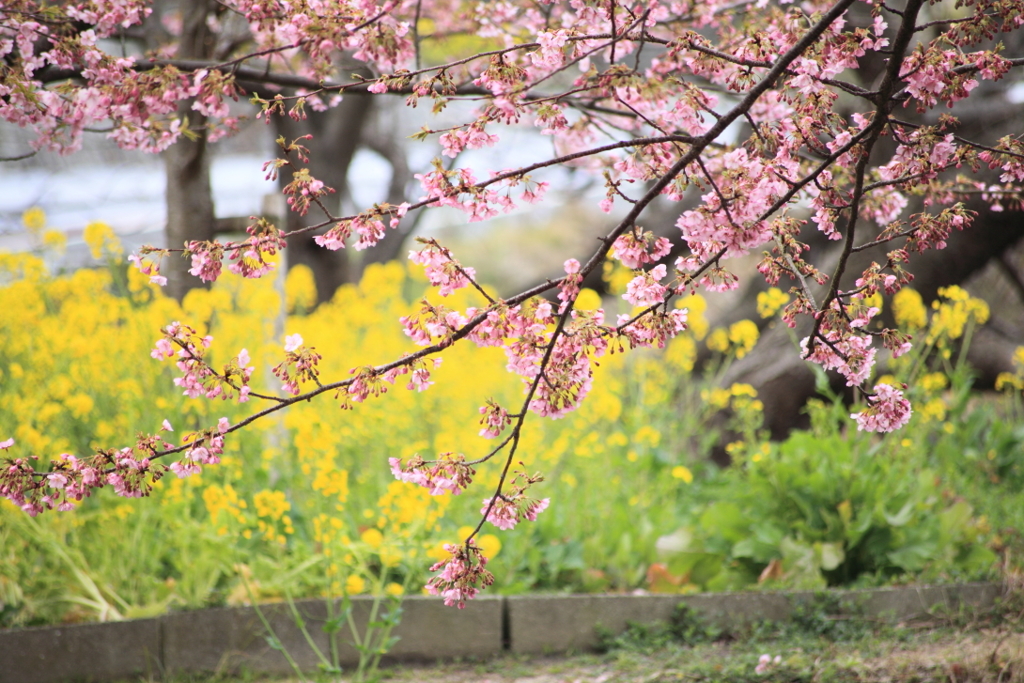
x=887, y=410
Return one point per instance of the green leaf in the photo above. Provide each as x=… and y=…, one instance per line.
x=800, y=565
x=676, y=542
x=913, y=557
x=901, y=517
x=726, y=519
x=830, y=555
x=955, y=520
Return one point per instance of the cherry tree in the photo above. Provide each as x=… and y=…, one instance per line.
x=750, y=108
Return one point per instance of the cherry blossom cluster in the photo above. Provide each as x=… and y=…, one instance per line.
x=370, y=381
x=654, y=329
x=441, y=269
x=304, y=190
x=495, y=420
x=249, y=258
x=851, y=355
x=887, y=410
x=130, y=471
x=433, y=324
x=570, y=287
x=369, y=225
x=505, y=510
x=143, y=105
x=448, y=474
x=640, y=248
x=148, y=263
x=198, y=377
x=731, y=216
x=462, y=576
x=646, y=289
x=299, y=364
x=556, y=369
x=459, y=189
x=204, y=448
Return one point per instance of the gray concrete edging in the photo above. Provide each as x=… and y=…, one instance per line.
x=231, y=639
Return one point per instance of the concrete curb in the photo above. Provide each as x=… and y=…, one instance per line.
x=232, y=639
x=546, y=625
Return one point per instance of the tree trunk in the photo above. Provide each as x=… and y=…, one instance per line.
x=784, y=381
x=380, y=138
x=190, y=213
x=337, y=135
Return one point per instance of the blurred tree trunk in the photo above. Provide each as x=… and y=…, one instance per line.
x=337, y=134
x=380, y=139
x=190, y=214
x=784, y=381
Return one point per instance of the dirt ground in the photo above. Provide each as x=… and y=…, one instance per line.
x=949, y=656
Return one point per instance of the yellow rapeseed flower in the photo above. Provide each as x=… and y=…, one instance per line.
x=101, y=240
x=952, y=314
x=331, y=482
x=489, y=544
x=55, y=240
x=617, y=276
x=696, y=322
x=740, y=389
x=681, y=353
x=271, y=504
x=717, y=398
x=933, y=381
x=34, y=219
x=389, y=556
x=648, y=436
x=80, y=405
x=1007, y=381
x=908, y=309
x=718, y=340
x=762, y=452
x=618, y=439
x=300, y=288
x=682, y=472
x=743, y=336
x=373, y=538
x=588, y=300
x=933, y=411
x=735, y=448
x=769, y=302
x=354, y=585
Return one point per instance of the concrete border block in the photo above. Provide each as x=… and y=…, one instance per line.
x=555, y=624
x=229, y=640
x=733, y=609
x=431, y=631
x=916, y=602
x=235, y=639
x=561, y=623
x=80, y=652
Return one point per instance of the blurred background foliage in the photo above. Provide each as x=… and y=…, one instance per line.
x=304, y=505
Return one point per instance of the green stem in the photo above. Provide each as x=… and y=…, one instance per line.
x=266, y=625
